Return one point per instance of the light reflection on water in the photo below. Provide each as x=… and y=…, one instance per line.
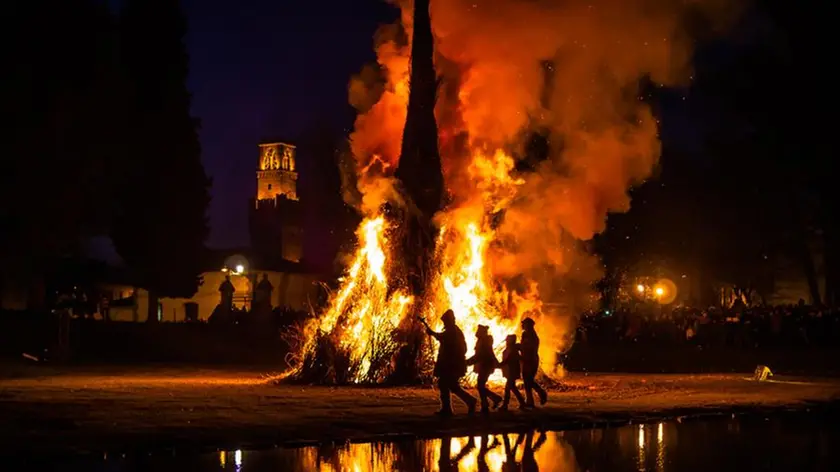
x=787, y=443
x=731, y=444
x=490, y=453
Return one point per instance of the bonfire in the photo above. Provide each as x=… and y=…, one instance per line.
x=457, y=211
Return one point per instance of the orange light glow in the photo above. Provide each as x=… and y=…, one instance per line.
x=362, y=314
x=666, y=291
x=510, y=236
x=465, y=453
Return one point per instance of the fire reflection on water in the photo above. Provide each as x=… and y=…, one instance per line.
x=532, y=451
x=528, y=451
x=778, y=444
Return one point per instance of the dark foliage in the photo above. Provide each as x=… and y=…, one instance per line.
x=60, y=99
x=160, y=225
x=754, y=187
x=419, y=169
x=328, y=221
x=99, y=140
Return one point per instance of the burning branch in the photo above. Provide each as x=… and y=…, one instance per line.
x=505, y=237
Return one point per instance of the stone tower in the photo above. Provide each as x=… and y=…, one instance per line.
x=275, y=216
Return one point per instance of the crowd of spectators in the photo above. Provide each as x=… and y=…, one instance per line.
x=738, y=326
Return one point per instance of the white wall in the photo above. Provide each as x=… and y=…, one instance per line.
x=295, y=291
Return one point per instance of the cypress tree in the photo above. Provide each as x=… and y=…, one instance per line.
x=161, y=223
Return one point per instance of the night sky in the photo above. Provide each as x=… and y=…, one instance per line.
x=268, y=69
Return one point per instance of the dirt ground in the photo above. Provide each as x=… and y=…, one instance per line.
x=193, y=409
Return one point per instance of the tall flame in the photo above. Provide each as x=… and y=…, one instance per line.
x=363, y=314
x=508, y=240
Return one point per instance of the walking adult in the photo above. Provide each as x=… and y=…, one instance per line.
x=451, y=364
x=530, y=348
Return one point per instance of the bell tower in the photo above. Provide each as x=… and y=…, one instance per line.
x=276, y=174
x=275, y=215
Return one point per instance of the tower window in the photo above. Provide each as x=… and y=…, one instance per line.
x=269, y=186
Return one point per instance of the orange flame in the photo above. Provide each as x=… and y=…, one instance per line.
x=570, y=68
x=363, y=314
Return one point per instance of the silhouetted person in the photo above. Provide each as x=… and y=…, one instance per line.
x=262, y=294
x=530, y=349
x=226, y=290
x=261, y=306
x=451, y=364
x=484, y=362
x=511, y=369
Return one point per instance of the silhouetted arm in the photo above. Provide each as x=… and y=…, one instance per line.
x=469, y=447
x=504, y=361
x=494, y=443
x=430, y=331
x=434, y=334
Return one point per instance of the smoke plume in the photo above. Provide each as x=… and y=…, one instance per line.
x=603, y=137
x=570, y=69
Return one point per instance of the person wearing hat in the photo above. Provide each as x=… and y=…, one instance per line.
x=451, y=364
x=530, y=348
x=512, y=370
x=484, y=362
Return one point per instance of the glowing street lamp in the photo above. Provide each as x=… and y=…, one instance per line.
x=240, y=268
x=659, y=291
x=640, y=288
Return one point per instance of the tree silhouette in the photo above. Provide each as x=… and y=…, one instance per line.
x=769, y=164
x=61, y=99
x=160, y=225
x=755, y=186
x=419, y=169
x=328, y=221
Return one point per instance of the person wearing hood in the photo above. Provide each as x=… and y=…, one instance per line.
x=484, y=363
x=451, y=364
x=530, y=349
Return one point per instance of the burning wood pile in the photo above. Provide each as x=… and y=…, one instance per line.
x=458, y=212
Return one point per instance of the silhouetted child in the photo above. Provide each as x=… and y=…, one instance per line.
x=485, y=363
x=512, y=371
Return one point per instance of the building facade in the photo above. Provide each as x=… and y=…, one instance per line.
x=275, y=219
x=294, y=291
x=275, y=223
